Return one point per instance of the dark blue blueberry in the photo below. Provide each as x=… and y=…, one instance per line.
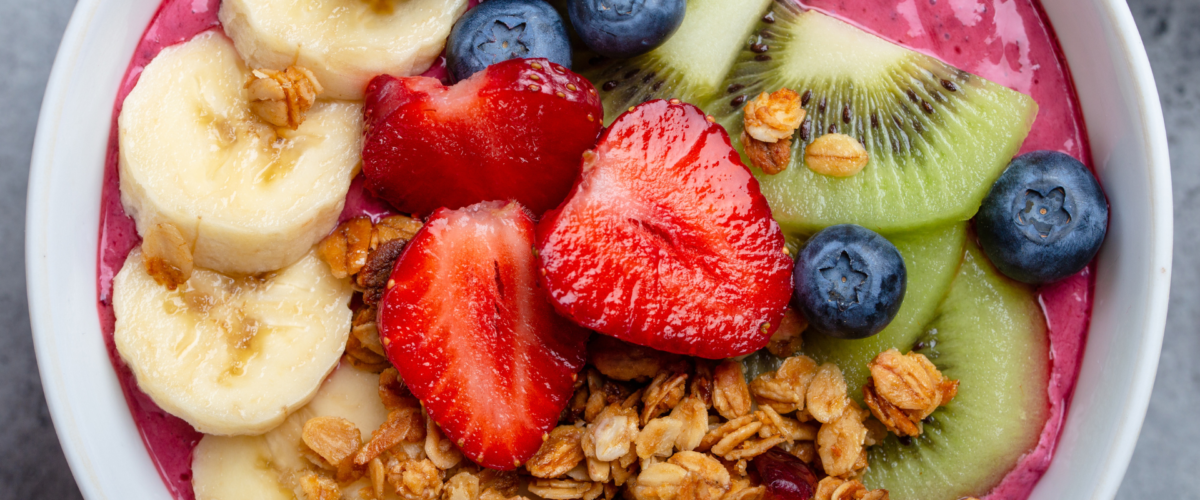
x=499, y=30
x=1044, y=218
x=849, y=281
x=625, y=28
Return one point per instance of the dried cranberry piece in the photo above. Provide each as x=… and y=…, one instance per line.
x=785, y=476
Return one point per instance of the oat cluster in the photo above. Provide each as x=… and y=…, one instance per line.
x=904, y=389
x=167, y=255
x=365, y=252
x=773, y=117
x=282, y=97
x=769, y=121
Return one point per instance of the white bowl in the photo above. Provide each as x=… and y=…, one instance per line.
x=102, y=444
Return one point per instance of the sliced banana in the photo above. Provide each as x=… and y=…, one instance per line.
x=237, y=467
x=246, y=197
x=229, y=355
x=344, y=42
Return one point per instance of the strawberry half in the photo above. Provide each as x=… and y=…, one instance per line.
x=666, y=241
x=513, y=131
x=474, y=338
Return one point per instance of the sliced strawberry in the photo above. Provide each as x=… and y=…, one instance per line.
x=513, y=131
x=666, y=241
x=474, y=338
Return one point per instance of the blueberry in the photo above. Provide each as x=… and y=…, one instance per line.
x=499, y=30
x=625, y=28
x=849, y=281
x=1044, y=218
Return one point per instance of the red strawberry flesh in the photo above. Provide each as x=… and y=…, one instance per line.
x=473, y=336
x=513, y=131
x=666, y=241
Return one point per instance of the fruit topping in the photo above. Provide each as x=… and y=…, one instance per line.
x=499, y=30
x=665, y=240
x=343, y=43
x=689, y=66
x=990, y=335
x=245, y=196
x=625, y=28
x=785, y=476
x=231, y=355
x=935, y=137
x=513, y=131
x=1044, y=219
x=469, y=331
x=850, y=282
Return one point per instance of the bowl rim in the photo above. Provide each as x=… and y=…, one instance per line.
x=1162, y=217
x=1128, y=43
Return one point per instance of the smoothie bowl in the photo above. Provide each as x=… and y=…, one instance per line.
x=254, y=309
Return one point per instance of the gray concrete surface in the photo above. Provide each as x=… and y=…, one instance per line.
x=1165, y=465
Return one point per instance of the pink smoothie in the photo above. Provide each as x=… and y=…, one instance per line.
x=1006, y=41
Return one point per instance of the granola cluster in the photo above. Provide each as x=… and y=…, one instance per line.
x=769, y=122
x=366, y=252
x=905, y=389
x=643, y=424
x=166, y=255
x=282, y=97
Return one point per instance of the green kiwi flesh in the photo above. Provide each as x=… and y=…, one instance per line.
x=691, y=65
x=990, y=335
x=931, y=258
x=937, y=137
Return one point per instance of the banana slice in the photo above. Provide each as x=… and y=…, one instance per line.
x=344, y=42
x=246, y=197
x=232, y=355
x=258, y=467
x=235, y=467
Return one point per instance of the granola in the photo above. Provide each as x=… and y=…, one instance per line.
x=904, y=389
x=773, y=117
x=415, y=479
x=560, y=452
x=731, y=395
x=611, y=435
x=840, y=444
x=346, y=248
x=281, y=98
x=318, y=487
x=333, y=438
x=826, y=398
x=166, y=255
x=836, y=155
x=832, y=488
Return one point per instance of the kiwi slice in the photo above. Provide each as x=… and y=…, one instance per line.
x=990, y=335
x=932, y=258
x=937, y=137
x=690, y=66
